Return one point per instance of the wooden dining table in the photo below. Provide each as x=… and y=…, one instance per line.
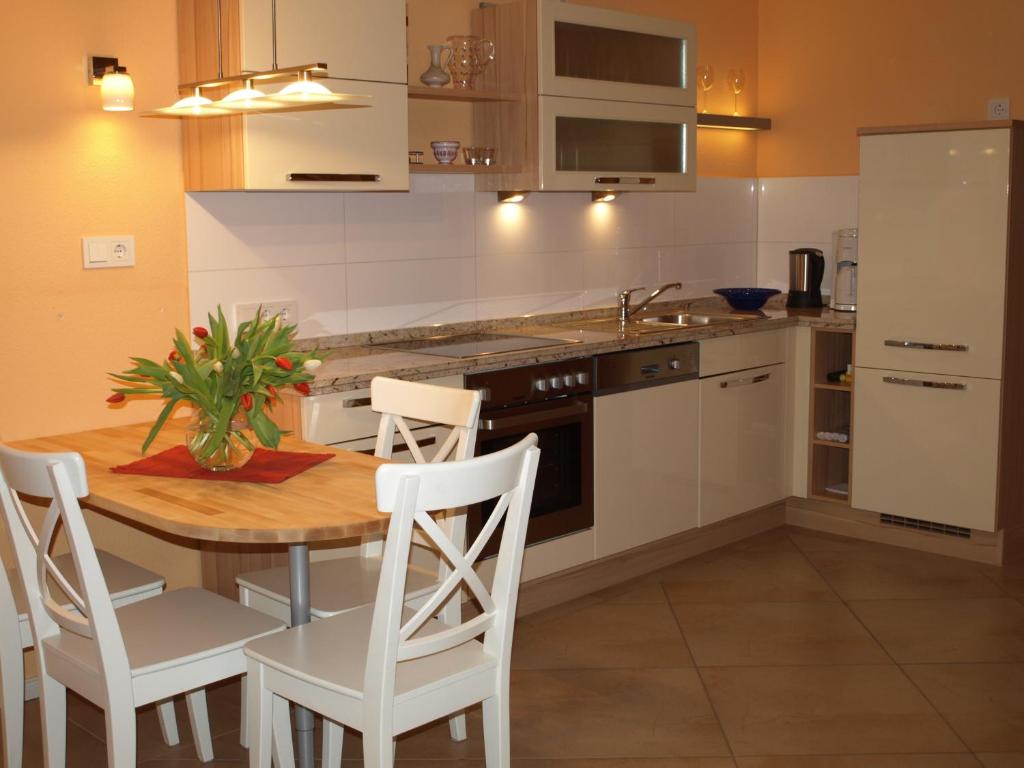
x=333, y=500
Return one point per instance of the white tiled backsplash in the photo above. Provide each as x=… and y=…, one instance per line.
x=444, y=253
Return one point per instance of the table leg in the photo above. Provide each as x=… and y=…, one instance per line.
x=298, y=574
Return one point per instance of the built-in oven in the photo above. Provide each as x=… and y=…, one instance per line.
x=554, y=401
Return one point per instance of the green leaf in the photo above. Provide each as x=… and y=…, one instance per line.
x=158, y=424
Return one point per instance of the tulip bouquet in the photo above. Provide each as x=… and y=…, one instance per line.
x=230, y=384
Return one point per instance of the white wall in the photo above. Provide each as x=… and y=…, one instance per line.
x=444, y=253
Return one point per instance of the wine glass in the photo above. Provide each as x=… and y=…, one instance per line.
x=737, y=79
x=706, y=78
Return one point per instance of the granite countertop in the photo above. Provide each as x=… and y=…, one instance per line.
x=351, y=362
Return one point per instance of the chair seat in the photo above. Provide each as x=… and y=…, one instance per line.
x=332, y=654
x=174, y=628
x=336, y=586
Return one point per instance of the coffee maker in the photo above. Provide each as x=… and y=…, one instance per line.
x=844, y=277
x=806, y=269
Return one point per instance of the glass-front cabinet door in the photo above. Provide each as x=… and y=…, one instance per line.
x=593, y=53
x=601, y=145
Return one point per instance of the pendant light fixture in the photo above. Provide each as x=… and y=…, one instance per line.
x=302, y=94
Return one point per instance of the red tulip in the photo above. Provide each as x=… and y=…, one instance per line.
x=173, y=355
x=117, y=397
x=302, y=388
x=283, y=363
x=247, y=401
x=200, y=332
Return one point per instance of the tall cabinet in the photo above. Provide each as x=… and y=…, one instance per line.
x=940, y=349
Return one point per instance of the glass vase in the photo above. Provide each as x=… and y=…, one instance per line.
x=232, y=451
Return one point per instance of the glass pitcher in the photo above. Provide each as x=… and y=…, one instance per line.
x=469, y=56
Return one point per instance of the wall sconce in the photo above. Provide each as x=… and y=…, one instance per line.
x=603, y=197
x=512, y=197
x=117, y=91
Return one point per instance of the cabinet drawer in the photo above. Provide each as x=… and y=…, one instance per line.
x=736, y=353
x=927, y=452
x=742, y=441
x=369, y=142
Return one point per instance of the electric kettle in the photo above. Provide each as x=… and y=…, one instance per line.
x=806, y=269
x=844, y=277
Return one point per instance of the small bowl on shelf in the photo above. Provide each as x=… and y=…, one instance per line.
x=445, y=152
x=746, y=299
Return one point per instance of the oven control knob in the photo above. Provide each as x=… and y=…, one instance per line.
x=555, y=382
x=582, y=378
x=568, y=380
x=541, y=385
x=674, y=364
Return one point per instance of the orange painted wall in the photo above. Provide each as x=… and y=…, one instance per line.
x=826, y=68
x=70, y=169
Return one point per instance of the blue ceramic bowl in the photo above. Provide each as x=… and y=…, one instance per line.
x=746, y=299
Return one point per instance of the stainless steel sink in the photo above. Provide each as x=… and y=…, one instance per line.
x=686, y=320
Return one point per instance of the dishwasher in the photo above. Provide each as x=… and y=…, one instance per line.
x=646, y=445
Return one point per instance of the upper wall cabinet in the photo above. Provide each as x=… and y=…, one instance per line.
x=591, y=53
x=362, y=42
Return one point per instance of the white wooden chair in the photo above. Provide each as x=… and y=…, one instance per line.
x=147, y=651
x=127, y=582
x=386, y=669
x=348, y=583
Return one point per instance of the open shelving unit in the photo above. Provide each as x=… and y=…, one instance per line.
x=831, y=410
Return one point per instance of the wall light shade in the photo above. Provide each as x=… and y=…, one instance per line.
x=603, y=197
x=512, y=197
x=117, y=91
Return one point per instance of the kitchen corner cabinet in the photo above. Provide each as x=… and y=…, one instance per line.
x=940, y=358
x=637, y=501
x=831, y=416
x=363, y=44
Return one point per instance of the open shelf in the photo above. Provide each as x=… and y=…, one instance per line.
x=457, y=168
x=831, y=410
x=459, y=94
x=834, y=387
x=832, y=444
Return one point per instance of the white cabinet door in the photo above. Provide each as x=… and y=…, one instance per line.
x=366, y=146
x=356, y=39
x=742, y=441
x=932, y=269
x=645, y=465
x=926, y=452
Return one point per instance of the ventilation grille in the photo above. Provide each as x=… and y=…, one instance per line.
x=925, y=525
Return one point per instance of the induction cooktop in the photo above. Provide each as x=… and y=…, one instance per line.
x=473, y=344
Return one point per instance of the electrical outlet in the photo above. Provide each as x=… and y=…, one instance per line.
x=288, y=309
x=106, y=252
x=998, y=109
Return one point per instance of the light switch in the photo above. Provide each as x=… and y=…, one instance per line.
x=111, y=251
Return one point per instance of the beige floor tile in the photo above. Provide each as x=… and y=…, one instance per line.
x=1002, y=759
x=860, y=761
x=825, y=711
x=605, y=635
x=778, y=573
x=618, y=762
x=431, y=742
x=83, y=749
x=612, y=714
x=764, y=634
x=983, y=702
x=937, y=631
x=875, y=572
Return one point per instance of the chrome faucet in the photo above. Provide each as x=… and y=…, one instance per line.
x=625, y=312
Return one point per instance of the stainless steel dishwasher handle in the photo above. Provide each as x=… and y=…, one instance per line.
x=624, y=180
x=492, y=425
x=369, y=178
x=745, y=381
x=924, y=383
x=925, y=345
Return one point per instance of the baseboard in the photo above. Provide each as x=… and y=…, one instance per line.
x=590, y=577
x=839, y=519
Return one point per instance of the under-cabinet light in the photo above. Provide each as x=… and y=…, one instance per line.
x=603, y=197
x=734, y=122
x=512, y=197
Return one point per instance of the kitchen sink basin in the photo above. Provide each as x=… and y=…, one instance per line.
x=687, y=320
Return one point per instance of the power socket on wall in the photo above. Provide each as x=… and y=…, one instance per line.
x=288, y=309
x=998, y=109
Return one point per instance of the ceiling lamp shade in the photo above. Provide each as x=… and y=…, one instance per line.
x=247, y=99
x=306, y=91
x=195, y=105
x=117, y=91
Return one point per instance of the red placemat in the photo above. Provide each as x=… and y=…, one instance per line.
x=264, y=466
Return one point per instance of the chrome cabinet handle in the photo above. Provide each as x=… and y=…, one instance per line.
x=625, y=180
x=743, y=382
x=355, y=402
x=924, y=383
x=361, y=177
x=925, y=345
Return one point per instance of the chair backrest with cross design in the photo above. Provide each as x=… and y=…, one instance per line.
x=62, y=477
x=408, y=494
x=399, y=402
